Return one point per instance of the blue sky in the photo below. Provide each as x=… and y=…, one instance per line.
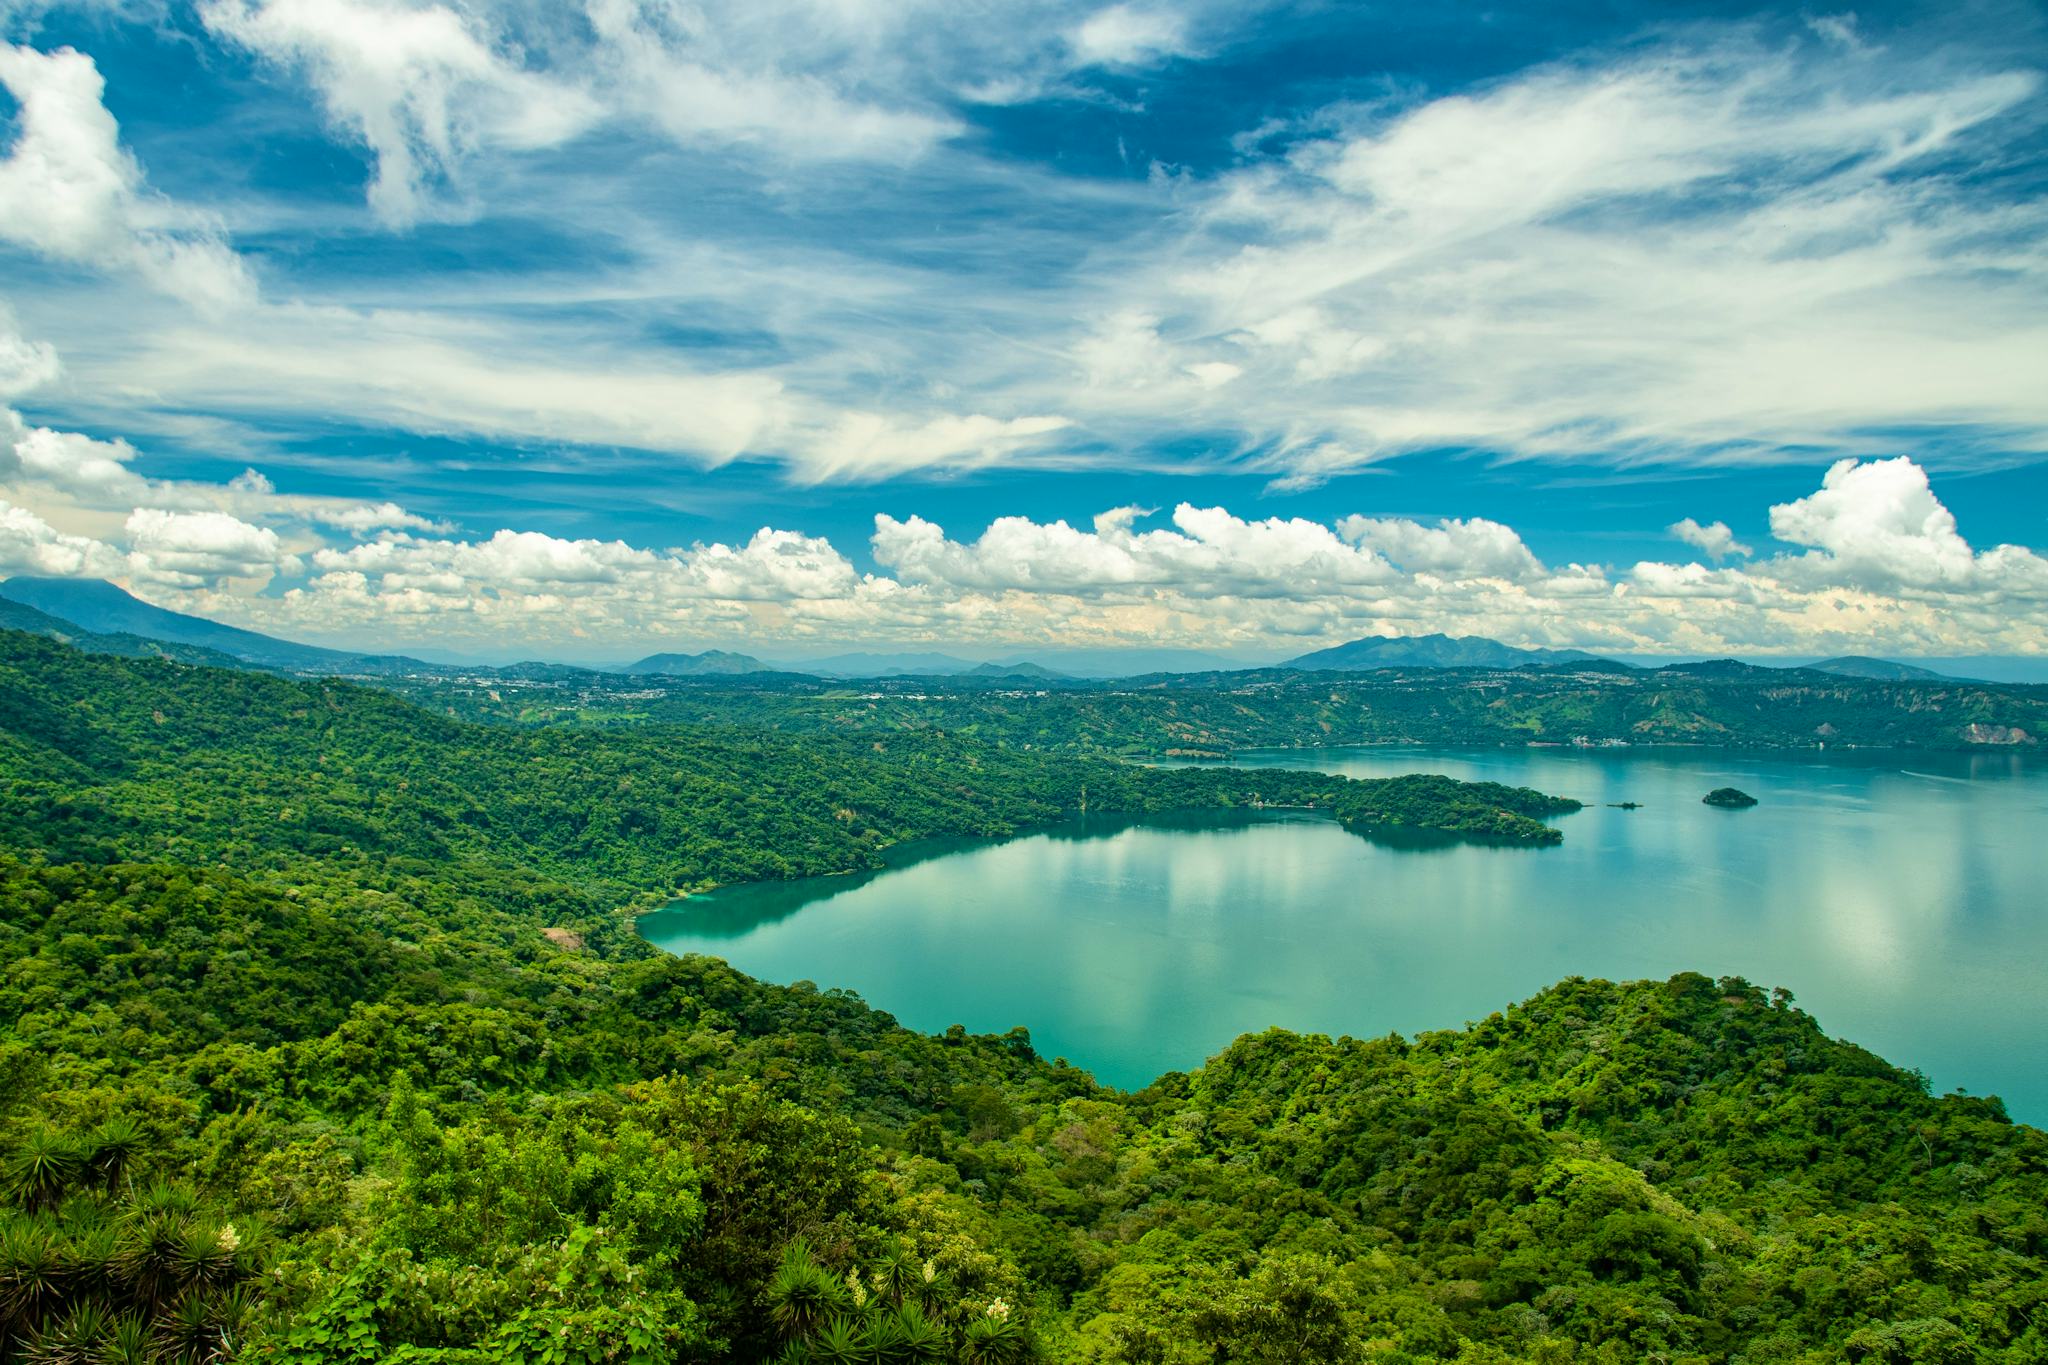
x=799, y=324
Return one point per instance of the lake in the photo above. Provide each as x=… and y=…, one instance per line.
x=1902, y=898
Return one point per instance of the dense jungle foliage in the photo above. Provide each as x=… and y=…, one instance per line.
x=292, y=1072
x=1211, y=715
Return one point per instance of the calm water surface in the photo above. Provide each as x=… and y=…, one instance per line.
x=1902, y=898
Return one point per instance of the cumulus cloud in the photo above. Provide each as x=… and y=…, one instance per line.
x=1477, y=547
x=96, y=472
x=1208, y=551
x=1874, y=567
x=30, y=545
x=69, y=191
x=197, y=549
x=1713, y=540
x=1878, y=525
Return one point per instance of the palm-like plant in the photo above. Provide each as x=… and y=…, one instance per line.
x=45, y=1164
x=924, y=1341
x=885, y=1342
x=91, y=1253
x=192, y=1330
x=32, y=1273
x=802, y=1294
x=151, y=1260
x=204, y=1255
x=934, y=1291
x=839, y=1342
x=127, y=1342
x=897, y=1278
x=994, y=1339
x=73, y=1339
x=94, y=1272
x=113, y=1149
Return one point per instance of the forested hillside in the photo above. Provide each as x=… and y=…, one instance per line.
x=1212, y=714
x=324, y=1040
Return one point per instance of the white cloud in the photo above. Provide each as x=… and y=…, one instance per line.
x=424, y=373
x=1477, y=547
x=30, y=545
x=1714, y=540
x=873, y=445
x=1126, y=35
x=96, y=471
x=704, y=78
x=1209, y=551
x=420, y=85
x=1883, y=574
x=1705, y=251
x=1879, y=526
x=197, y=549
x=70, y=192
x=24, y=364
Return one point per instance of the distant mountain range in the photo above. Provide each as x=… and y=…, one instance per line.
x=100, y=617
x=98, y=608
x=863, y=665
x=1023, y=668
x=1431, y=651
x=712, y=662
x=1885, y=670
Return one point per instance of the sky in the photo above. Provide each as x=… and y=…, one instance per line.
x=583, y=330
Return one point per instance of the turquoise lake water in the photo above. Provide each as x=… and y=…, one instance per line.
x=1902, y=898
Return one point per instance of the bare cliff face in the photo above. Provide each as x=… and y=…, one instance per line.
x=1979, y=733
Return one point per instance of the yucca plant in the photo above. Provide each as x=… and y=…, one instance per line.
x=933, y=1290
x=925, y=1342
x=151, y=1261
x=839, y=1342
x=45, y=1164
x=164, y=1197
x=127, y=1342
x=193, y=1331
x=91, y=1253
x=204, y=1255
x=33, y=1274
x=802, y=1294
x=994, y=1338
x=886, y=1344
x=897, y=1277
x=74, y=1339
x=112, y=1150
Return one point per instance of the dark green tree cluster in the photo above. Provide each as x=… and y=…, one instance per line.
x=275, y=1086
x=1213, y=715
x=98, y=1269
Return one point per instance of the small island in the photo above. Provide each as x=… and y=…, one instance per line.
x=1728, y=797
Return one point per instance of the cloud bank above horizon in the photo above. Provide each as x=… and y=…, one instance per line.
x=475, y=286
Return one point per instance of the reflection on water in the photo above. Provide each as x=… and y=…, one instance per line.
x=1900, y=897
x=735, y=911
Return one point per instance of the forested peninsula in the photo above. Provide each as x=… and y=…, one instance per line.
x=325, y=1039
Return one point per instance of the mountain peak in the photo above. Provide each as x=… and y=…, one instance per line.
x=1430, y=651
x=711, y=661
